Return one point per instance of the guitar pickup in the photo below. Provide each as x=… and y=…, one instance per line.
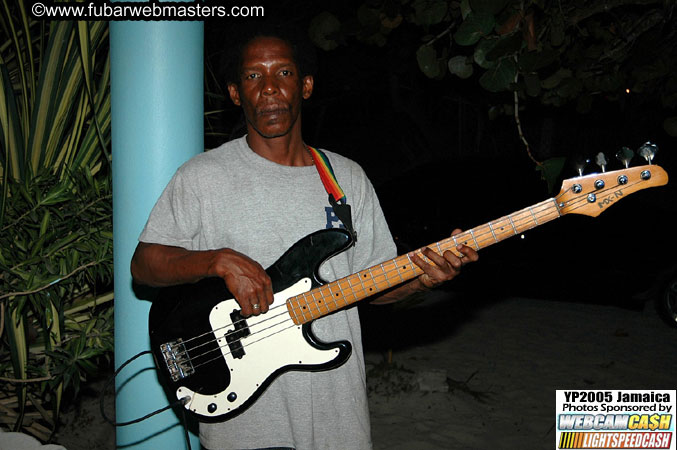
x=177, y=360
x=234, y=337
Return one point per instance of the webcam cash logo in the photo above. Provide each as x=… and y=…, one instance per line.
x=638, y=419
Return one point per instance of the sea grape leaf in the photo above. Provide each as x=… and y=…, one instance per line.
x=473, y=28
x=500, y=77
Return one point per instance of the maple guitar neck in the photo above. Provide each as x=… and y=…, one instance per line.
x=338, y=294
x=587, y=195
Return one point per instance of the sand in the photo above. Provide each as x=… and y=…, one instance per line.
x=468, y=373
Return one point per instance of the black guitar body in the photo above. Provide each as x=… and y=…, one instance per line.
x=221, y=362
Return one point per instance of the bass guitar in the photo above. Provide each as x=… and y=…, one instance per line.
x=218, y=362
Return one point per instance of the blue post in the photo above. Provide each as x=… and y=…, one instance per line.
x=157, y=124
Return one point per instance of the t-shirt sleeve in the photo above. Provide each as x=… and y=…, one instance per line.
x=374, y=241
x=175, y=218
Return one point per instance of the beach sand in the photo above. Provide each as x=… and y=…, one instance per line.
x=456, y=372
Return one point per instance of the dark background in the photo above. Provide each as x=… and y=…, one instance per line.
x=439, y=162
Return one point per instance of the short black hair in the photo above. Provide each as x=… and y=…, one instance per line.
x=303, y=50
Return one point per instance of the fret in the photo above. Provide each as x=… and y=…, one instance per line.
x=472, y=234
x=318, y=302
x=303, y=309
x=352, y=288
x=359, y=278
x=370, y=280
x=292, y=309
x=513, y=225
x=399, y=262
x=385, y=274
x=492, y=232
x=345, y=300
x=397, y=269
x=533, y=215
x=371, y=275
x=479, y=235
x=559, y=214
x=501, y=224
x=306, y=306
x=310, y=310
x=332, y=299
x=412, y=265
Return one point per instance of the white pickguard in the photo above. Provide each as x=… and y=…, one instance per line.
x=275, y=342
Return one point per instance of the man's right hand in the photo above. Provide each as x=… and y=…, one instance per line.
x=163, y=265
x=245, y=279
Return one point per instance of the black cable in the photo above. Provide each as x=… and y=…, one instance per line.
x=179, y=402
x=185, y=428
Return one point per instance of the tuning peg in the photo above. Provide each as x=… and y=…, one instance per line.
x=647, y=151
x=579, y=164
x=625, y=155
x=601, y=161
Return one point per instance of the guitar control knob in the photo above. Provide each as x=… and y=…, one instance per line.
x=232, y=397
x=592, y=198
x=599, y=184
x=623, y=179
x=212, y=408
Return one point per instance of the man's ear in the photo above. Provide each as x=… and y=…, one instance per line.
x=307, y=85
x=234, y=93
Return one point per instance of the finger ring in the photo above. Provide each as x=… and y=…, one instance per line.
x=255, y=306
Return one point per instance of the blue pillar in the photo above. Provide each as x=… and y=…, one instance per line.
x=157, y=124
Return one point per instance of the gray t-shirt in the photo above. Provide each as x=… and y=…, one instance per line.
x=230, y=197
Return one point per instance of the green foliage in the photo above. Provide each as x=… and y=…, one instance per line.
x=55, y=212
x=558, y=52
x=56, y=260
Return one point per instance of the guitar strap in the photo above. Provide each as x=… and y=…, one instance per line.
x=337, y=198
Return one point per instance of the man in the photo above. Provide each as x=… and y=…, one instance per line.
x=234, y=210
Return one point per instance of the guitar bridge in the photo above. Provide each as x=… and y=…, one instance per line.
x=177, y=360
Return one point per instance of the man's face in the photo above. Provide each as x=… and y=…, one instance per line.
x=270, y=89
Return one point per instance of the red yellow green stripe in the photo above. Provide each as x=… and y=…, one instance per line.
x=327, y=174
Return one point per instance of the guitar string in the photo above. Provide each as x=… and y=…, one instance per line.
x=324, y=296
x=548, y=211
x=387, y=273
x=545, y=209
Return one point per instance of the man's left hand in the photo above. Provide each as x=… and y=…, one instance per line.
x=446, y=266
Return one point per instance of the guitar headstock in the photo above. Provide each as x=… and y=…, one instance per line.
x=593, y=194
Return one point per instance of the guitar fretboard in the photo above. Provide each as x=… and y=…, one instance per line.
x=343, y=292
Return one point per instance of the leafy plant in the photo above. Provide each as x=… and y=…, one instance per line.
x=556, y=52
x=55, y=213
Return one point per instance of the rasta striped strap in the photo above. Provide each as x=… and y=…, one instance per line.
x=337, y=198
x=327, y=174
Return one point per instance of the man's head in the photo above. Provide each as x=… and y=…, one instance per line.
x=271, y=84
x=303, y=50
